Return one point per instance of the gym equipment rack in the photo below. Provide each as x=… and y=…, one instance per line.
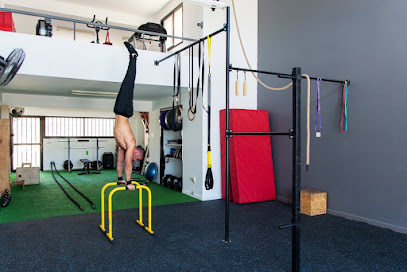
x=97, y=147
x=294, y=133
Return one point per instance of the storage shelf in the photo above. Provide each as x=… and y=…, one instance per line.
x=173, y=159
x=174, y=144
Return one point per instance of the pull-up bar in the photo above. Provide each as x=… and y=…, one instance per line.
x=157, y=62
x=294, y=134
x=282, y=75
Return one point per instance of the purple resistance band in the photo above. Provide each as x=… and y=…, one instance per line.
x=318, y=111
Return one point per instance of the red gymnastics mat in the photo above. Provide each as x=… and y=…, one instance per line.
x=250, y=157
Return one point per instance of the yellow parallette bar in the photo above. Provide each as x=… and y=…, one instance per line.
x=102, y=205
x=109, y=234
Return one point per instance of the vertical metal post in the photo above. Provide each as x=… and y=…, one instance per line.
x=69, y=155
x=97, y=154
x=227, y=125
x=295, y=218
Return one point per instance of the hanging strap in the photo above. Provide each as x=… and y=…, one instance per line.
x=176, y=88
x=192, y=104
x=174, y=82
x=344, y=113
x=191, y=79
x=209, y=51
x=317, y=127
x=107, y=40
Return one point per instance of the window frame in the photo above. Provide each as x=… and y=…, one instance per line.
x=41, y=143
x=172, y=13
x=76, y=137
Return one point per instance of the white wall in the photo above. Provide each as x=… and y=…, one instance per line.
x=191, y=146
x=51, y=57
x=55, y=150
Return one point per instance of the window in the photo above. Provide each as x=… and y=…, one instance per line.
x=26, y=141
x=173, y=24
x=78, y=127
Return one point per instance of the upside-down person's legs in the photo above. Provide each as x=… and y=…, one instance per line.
x=124, y=100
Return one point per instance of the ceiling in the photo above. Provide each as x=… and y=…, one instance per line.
x=28, y=84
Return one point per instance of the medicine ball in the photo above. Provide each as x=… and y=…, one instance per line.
x=165, y=180
x=66, y=165
x=170, y=182
x=162, y=120
x=173, y=119
x=162, y=180
x=178, y=184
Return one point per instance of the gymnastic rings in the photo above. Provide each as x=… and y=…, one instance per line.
x=192, y=109
x=179, y=114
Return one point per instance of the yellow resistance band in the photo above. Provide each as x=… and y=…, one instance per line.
x=209, y=49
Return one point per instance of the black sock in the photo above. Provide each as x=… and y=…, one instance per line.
x=120, y=178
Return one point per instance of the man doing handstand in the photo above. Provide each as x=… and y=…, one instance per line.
x=123, y=134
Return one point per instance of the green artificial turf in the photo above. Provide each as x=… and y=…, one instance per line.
x=48, y=200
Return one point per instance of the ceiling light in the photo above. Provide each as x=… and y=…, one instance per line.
x=210, y=3
x=93, y=93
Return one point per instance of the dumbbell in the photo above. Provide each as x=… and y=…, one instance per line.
x=10, y=66
x=177, y=184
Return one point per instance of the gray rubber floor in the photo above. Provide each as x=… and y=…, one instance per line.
x=189, y=237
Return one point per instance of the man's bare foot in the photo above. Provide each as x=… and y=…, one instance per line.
x=131, y=187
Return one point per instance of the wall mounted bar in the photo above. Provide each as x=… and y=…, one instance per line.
x=259, y=133
x=282, y=75
x=157, y=62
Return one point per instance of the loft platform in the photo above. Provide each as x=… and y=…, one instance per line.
x=59, y=66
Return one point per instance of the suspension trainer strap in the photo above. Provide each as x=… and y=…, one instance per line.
x=317, y=127
x=174, y=81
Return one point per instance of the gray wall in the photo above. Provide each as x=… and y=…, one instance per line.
x=364, y=171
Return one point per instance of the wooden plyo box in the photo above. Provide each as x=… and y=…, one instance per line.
x=313, y=202
x=30, y=175
x=4, y=155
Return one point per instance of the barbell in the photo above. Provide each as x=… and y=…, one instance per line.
x=10, y=66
